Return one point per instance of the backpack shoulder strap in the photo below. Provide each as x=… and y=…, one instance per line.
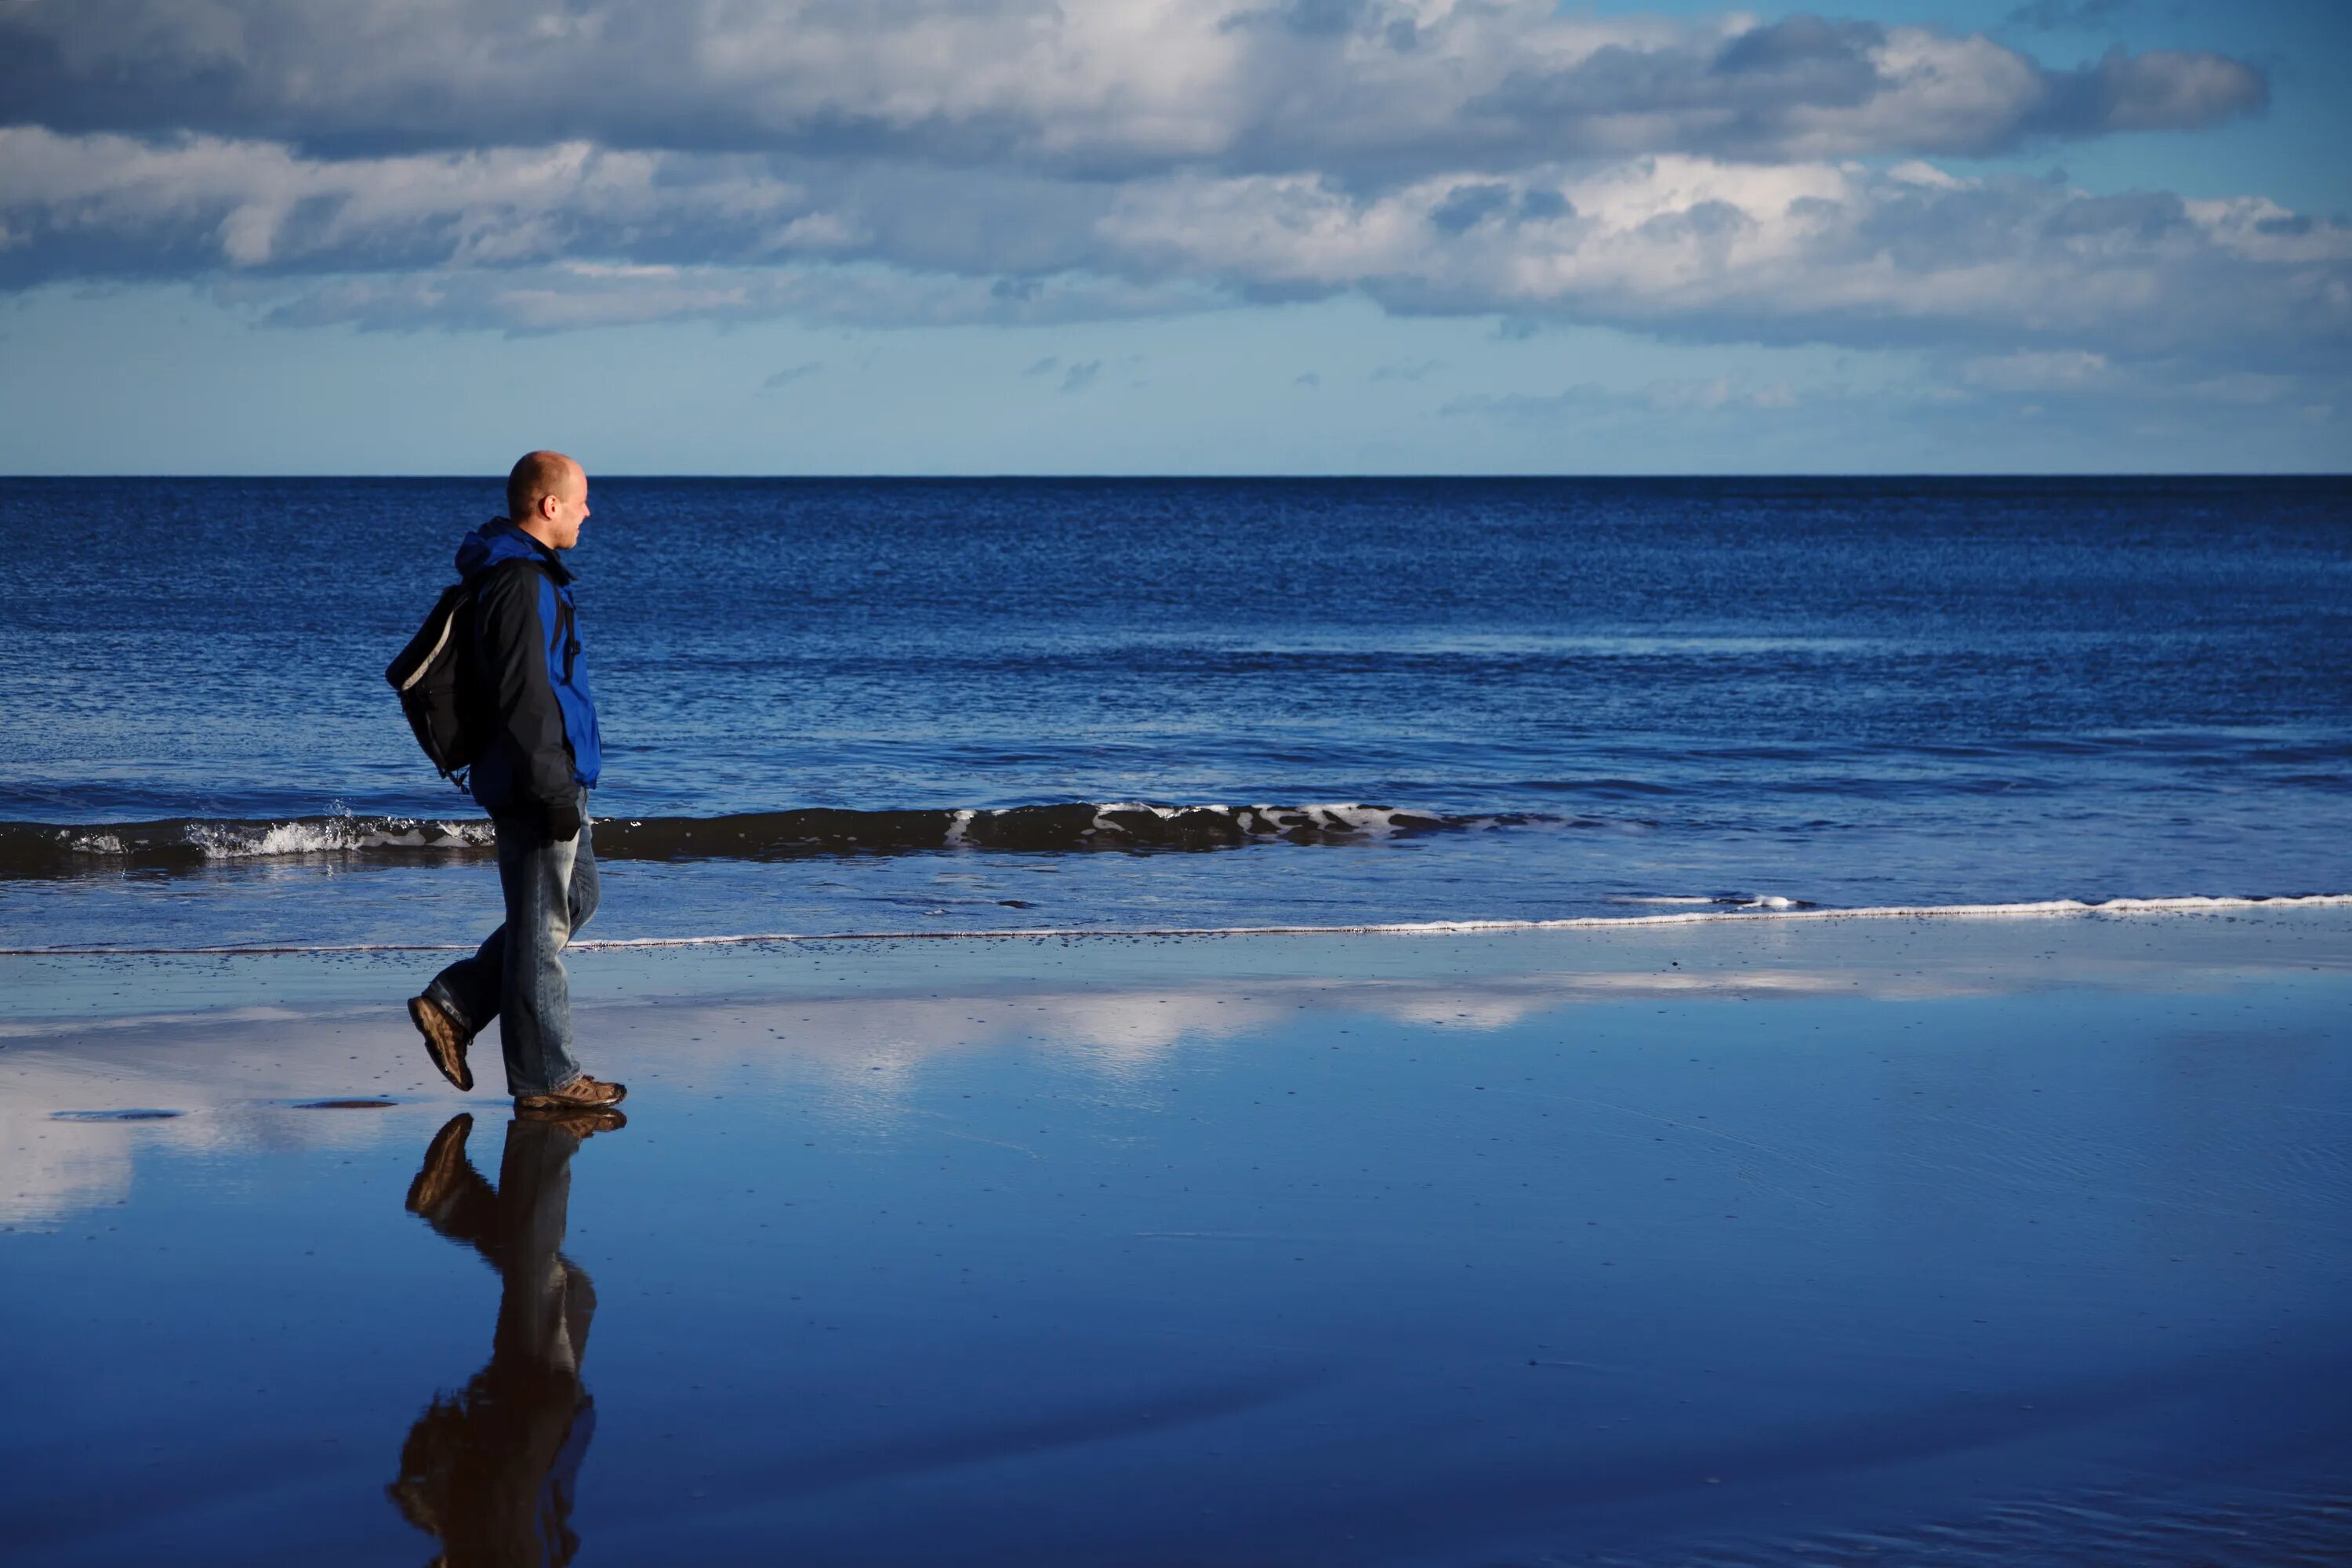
x=433, y=639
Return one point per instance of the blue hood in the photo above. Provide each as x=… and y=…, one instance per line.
x=500, y=541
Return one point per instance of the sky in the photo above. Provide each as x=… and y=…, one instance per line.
x=1174, y=237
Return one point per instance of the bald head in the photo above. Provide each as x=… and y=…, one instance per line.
x=547, y=498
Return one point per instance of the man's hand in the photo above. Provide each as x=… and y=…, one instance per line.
x=563, y=822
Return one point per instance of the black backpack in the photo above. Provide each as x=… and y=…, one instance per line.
x=433, y=676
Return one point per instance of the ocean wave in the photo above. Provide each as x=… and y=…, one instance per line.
x=1747, y=912
x=36, y=849
x=50, y=849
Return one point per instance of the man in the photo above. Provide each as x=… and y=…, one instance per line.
x=532, y=775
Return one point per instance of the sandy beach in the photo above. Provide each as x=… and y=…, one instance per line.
x=1327, y=783
x=1766, y=1242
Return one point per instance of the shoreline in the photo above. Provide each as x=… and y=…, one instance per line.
x=2187, y=904
x=50, y=996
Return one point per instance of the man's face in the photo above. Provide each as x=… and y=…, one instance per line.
x=564, y=511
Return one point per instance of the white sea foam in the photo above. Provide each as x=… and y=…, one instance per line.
x=1731, y=900
x=226, y=841
x=2043, y=909
x=1337, y=817
x=314, y=835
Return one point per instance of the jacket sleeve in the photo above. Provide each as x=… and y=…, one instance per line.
x=512, y=637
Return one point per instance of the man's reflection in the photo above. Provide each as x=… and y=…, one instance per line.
x=489, y=1471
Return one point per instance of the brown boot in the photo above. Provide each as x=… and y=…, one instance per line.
x=445, y=1042
x=583, y=1121
x=582, y=1093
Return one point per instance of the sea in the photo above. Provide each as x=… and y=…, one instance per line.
x=944, y=706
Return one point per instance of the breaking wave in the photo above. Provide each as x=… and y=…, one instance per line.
x=36, y=849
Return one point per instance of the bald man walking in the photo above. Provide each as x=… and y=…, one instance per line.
x=533, y=775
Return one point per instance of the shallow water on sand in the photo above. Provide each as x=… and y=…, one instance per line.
x=1917, y=1243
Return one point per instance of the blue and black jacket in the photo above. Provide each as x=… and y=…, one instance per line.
x=539, y=714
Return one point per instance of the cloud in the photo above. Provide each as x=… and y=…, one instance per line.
x=2063, y=370
x=1807, y=87
x=1955, y=415
x=2074, y=375
x=114, y=205
x=1691, y=248
x=792, y=374
x=1590, y=401
x=1406, y=370
x=2068, y=16
x=1698, y=249
x=1801, y=252
x=1306, y=378
x=1369, y=90
x=509, y=166
x=573, y=296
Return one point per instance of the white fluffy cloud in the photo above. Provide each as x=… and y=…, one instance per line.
x=536, y=167
x=1817, y=251
x=575, y=234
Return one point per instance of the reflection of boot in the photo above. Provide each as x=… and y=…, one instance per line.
x=580, y=1121
x=491, y=1471
x=444, y=1166
x=581, y=1091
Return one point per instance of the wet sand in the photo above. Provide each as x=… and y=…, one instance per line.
x=1940, y=1241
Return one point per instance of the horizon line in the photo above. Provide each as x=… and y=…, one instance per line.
x=486, y=476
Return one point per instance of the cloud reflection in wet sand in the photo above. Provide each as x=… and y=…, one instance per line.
x=1476, y=1241
x=261, y=1077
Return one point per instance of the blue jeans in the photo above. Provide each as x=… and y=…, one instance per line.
x=517, y=976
